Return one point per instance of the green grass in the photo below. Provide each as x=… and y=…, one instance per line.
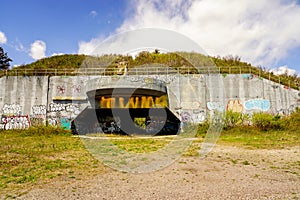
x=251, y=137
x=140, y=145
x=28, y=158
x=39, y=155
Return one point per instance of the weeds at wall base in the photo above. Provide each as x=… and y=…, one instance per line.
x=260, y=121
x=37, y=130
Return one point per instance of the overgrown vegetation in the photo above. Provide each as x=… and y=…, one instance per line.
x=260, y=121
x=261, y=130
x=183, y=62
x=56, y=62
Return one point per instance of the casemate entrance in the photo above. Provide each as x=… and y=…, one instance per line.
x=124, y=110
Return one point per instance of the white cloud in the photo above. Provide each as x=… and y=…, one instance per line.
x=283, y=70
x=132, y=42
x=3, y=38
x=19, y=46
x=57, y=54
x=38, y=49
x=93, y=13
x=261, y=32
x=89, y=47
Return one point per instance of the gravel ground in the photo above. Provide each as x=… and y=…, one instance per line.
x=225, y=173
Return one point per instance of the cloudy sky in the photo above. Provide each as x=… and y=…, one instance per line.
x=264, y=32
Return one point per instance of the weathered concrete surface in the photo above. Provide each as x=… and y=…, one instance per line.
x=22, y=93
x=59, y=100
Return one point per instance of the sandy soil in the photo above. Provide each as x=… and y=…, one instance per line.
x=225, y=173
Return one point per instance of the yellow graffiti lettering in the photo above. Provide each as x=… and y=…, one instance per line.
x=121, y=102
x=161, y=101
x=235, y=106
x=134, y=102
x=112, y=102
x=144, y=102
x=150, y=102
x=102, y=102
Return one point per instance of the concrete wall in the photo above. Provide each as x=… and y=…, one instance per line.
x=31, y=100
x=21, y=100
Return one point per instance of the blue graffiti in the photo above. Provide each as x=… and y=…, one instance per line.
x=247, y=76
x=215, y=106
x=65, y=123
x=259, y=104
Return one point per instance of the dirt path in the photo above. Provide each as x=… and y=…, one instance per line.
x=226, y=173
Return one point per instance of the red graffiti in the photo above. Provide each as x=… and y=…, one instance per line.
x=15, y=122
x=61, y=89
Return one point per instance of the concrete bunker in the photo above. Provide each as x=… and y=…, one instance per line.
x=127, y=110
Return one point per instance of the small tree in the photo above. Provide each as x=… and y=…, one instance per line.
x=4, y=60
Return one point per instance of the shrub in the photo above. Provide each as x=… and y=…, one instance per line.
x=203, y=128
x=292, y=122
x=232, y=119
x=262, y=120
x=265, y=121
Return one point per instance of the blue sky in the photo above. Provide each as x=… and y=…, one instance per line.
x=60, y=24
x=262, y=32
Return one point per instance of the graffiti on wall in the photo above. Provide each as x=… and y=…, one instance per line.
x=38, y=116
x=39, y=110
x=198, y=116
x=151, y=79
x=148, y=79
x=286, y=111
x=235, y=105
x=185, y=117
x=37, y=121
x=167, y=79
x=61, y=89
x=247, y=76
x=77, y=88
x=133, y=102
x=58, y=107
x=14, y=122
x=52, y=121
x=215, y=106
x=190, y=105
x=154, y=125
x=286, y=87
x=65, y=123
x=53, y=107
x=257, y=104
x=62, y=114
x=12, y=109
